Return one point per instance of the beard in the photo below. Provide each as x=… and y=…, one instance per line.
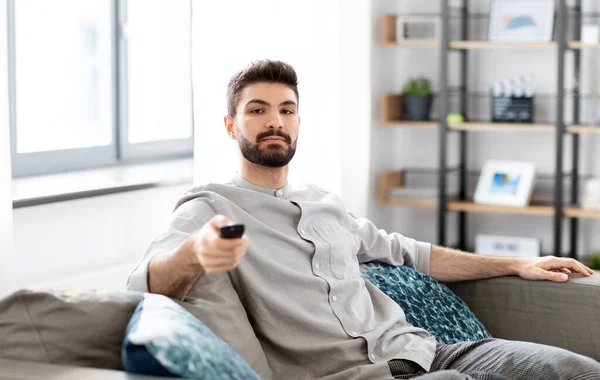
x=272, y=155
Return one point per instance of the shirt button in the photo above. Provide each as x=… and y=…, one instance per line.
x=372, y=357
x=302, y=232
x=317, y=265
x=354, y=333
x=279, y=192
x=334, y=298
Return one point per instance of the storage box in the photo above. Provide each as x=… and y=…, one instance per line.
x=512, y=109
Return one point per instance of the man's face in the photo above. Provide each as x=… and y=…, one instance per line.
x=266, y=124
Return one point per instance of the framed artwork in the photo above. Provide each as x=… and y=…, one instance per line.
x=505, y=183
x=521, y=21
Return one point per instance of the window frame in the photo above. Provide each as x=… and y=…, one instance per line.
x=120, y=151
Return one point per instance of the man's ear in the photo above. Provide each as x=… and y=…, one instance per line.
x=229, y=126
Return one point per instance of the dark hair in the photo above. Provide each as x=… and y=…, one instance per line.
x=264, y=70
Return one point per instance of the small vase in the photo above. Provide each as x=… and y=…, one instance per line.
x=417, y=108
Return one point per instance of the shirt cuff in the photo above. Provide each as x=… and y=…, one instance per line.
x=138, y=279
x=423, y=257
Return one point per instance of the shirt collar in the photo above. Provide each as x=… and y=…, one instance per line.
x=240, y=182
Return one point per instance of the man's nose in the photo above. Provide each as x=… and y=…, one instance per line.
x=275, y=120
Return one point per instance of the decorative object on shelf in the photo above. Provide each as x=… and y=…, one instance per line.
x=417, y=97
x=455, y=118
x=505, y=183
x=591, y=195
x=521, y=21
x=593, y=261
x=512, y=100
x=510, y=246
x=418, y=28
x=590, y=34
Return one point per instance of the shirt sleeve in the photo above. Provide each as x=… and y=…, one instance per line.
x=186, y=219
x=393, y=248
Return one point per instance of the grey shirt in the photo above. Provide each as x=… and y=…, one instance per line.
x=300, y=281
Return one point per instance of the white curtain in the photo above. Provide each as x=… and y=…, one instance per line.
x=5, y=172
x=226, y=36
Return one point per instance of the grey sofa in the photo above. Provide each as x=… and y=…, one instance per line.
x=564, y=315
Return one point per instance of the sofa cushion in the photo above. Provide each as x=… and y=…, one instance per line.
x=87, y=328
x=80, y=328
x=164, y=339
x=426, y=303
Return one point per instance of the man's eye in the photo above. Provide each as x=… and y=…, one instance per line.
x=288, y=112
x=257, y=111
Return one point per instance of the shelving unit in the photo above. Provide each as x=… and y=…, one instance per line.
x=462, y=206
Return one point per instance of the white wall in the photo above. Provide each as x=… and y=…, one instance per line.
x=91, y=243
x=395, y=148
x=354, y=74
x=5, y=172
x=228, y=35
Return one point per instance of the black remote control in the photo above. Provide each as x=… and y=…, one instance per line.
x=233, y=231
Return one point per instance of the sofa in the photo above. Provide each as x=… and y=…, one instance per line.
x=565, y=315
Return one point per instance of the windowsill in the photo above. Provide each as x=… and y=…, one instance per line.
x=32, y=191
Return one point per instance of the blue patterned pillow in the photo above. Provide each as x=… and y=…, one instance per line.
x=426, y=303
x=164, y=339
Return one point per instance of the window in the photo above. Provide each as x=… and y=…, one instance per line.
x=98, y=82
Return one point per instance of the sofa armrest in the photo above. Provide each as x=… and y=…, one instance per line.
x=565, y=315
x=24, y=370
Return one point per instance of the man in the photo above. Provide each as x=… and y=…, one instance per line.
x=297, y=270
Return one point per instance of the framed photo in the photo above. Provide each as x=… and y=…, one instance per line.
x=521, y=21
x=505, y=183
x=508, y=246
x=417, y=28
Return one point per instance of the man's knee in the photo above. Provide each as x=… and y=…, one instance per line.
x=574, y=366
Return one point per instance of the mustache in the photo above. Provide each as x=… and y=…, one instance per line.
x=273, y=132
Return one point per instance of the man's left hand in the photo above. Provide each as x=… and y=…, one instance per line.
x=551, y=268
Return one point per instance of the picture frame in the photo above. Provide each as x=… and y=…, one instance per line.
x=505, y=183
x=507, y=246
x=521, y=21
x=418, y=28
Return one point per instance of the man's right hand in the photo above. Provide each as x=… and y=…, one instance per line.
x=214, y=253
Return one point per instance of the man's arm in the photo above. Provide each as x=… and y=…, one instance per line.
x=451, y=265
x=173, y=274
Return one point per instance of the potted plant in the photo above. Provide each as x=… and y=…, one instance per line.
x=417, y=98
x=593, y=261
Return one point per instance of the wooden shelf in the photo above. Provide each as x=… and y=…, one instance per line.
x=472, y=126
x=411, y=124
x=577, y=212
x=396, y=179
x=472, y=45
x=411, y=203
x=391, y=114
x=413, y=44
x=583, y=129
x=466, y=206
x=582, y=45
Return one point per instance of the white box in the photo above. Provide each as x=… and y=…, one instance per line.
x=507, y=246
x=418, y=28
x=590, y=34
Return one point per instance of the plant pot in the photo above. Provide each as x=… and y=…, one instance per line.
x=417, y=108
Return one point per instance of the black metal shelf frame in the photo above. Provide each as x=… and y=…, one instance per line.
x=563, y=13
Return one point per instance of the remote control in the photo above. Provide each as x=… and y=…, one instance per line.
x=233, y=231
